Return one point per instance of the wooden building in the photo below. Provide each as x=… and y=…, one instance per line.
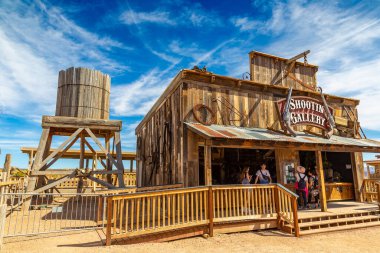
x=206, y=127
x=376, y=165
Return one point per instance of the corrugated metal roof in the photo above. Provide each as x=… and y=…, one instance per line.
x=243, y=133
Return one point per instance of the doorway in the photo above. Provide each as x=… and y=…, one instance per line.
x=227, y=164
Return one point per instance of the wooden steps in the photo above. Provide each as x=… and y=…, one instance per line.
x=338, y=222
x=340, y=228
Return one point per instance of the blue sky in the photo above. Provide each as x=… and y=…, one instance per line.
x=143, y=44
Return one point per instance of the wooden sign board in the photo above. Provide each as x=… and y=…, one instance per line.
x=306, y=111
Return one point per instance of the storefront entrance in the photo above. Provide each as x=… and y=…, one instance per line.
x=339, y=183
x=227, y=164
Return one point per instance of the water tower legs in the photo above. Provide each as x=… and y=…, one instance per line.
x=81, y=130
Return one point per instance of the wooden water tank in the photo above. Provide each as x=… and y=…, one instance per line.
x=83, y=93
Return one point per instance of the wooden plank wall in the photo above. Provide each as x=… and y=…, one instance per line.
x=258, y=107
x=271, y=70
x=159, y=145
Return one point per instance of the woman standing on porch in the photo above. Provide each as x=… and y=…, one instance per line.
x=263, y=175
x=301, y=186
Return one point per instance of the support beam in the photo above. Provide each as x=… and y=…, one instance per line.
x=37, y=161
x=120, y=168
x=106, y=152
x=60, y=154
x=101, y=182
x=358, y=174
x=61, y=147
x=82, y=149
x=207, y=158
x=56, y=182
x=298, y=56
x=321, y=175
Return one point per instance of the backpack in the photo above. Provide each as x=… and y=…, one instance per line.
x=316, y=182
x=302, y=182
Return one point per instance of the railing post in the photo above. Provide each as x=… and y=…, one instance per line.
x=295, y=217
x=210, y=212
x=277, y=206
x=378, y=192
x=109, y=221
x=100, y=209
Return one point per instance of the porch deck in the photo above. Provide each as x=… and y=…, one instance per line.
x=338, y=207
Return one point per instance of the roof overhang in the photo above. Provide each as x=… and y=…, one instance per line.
x=242, y=137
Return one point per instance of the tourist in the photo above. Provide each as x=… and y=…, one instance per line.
x=313, y=188
x=245, y=177
x=301, y=187
x=263, y=175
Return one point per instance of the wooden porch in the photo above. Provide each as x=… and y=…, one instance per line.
x=340, y=215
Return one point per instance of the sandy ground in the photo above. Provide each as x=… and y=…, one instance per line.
x=361, y=240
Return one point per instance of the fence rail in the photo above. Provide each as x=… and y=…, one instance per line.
x=371, y=190
x=152, y=212
x=50, y=213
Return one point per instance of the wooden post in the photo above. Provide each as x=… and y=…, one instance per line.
x=94, y=167
x=357, y=174
x=82, y=149
x=108, y=162
x=378, y=193
x=7, y=163
x=109, y=221
x=37, y=161
x=295, y=217
x=210, y=212
x=31, y=158
x=276, y=202
x=3, y=211
x=119, y=159
x=207, y=161
x=322, y=187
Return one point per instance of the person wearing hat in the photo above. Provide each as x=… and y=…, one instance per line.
x=301, y=186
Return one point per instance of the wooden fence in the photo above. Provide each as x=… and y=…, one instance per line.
x=148, y=213
x=371, y=190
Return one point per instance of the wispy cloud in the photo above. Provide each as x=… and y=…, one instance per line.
x=194, y=15
x=245, y=23
x=343, y=42
x=159, y=17
x=36, y=41
x=138, y=97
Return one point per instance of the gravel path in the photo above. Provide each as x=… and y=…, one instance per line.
x=361, y=240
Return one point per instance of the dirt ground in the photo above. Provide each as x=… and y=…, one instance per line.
x=361, y=240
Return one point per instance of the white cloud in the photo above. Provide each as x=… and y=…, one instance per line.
x=343, y=42
x=195, y=15
x=138, y=97
x=245, y=23
x=160, y=17
x=36, y=41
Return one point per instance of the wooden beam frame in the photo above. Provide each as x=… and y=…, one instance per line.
x=322, y=186
x=56, y=182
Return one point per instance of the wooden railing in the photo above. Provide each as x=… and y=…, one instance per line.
x=371, y=190
x=144, y=213
x=129, y=180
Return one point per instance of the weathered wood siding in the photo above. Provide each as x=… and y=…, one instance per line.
x=271, y=70
x=258, y=108
x=159, y=145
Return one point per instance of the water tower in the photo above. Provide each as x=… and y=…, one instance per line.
x=82, y=113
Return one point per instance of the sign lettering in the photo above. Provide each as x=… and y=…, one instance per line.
x=306, y=111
